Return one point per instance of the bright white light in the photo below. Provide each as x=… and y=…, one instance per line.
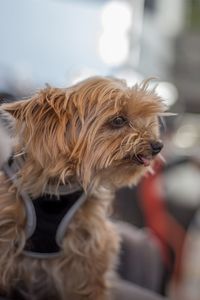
x=82, y=75
x=132, y=77
x=186, y=136
x=168, y=92
x=114, y=43
x=117, y=16
x=113, y=49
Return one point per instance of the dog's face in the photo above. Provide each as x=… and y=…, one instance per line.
x=99, y=127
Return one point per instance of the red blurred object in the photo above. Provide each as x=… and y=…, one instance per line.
x=170, y=234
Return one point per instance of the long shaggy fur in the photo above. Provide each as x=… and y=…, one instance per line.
x=66, y=136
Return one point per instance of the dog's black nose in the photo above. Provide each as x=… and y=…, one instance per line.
x=156, y=147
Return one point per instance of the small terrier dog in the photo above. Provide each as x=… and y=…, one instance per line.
x=74, y=148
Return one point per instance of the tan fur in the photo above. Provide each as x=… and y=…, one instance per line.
x=66, y=136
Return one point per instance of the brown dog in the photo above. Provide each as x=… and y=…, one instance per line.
x=77, y=143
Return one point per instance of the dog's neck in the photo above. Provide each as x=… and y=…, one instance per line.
x=34, y=179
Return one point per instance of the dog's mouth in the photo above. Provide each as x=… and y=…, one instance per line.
x=142, y=160
x=139, y=159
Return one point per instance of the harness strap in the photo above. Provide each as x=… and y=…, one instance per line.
x=30, y=211
x=35, y=213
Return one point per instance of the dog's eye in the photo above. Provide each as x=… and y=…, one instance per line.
x=118, y=122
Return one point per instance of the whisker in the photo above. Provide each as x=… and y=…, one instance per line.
x=167, y=114
x=163, y=123
x=151, y=170
x=161, y=157
x=19, y=153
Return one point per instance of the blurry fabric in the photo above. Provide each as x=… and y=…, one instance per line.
x=140, y=258
x=189, y=285
x=5, y=144
x=123, y=290
x=5, y=129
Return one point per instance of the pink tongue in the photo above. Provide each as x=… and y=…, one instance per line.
x=145, y=161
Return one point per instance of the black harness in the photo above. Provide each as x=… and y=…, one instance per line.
x=50, y=213
x=48, y=216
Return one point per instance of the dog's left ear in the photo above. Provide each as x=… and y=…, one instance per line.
x=15, y=109
x=46, y=114
x=49, y=101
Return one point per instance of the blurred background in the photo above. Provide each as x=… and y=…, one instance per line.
x=60, y=42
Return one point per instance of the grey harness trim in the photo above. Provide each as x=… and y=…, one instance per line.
x=11, y=170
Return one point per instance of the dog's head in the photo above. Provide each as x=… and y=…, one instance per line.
x=97, y=128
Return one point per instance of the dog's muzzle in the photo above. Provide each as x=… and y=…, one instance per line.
x=144, y=158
